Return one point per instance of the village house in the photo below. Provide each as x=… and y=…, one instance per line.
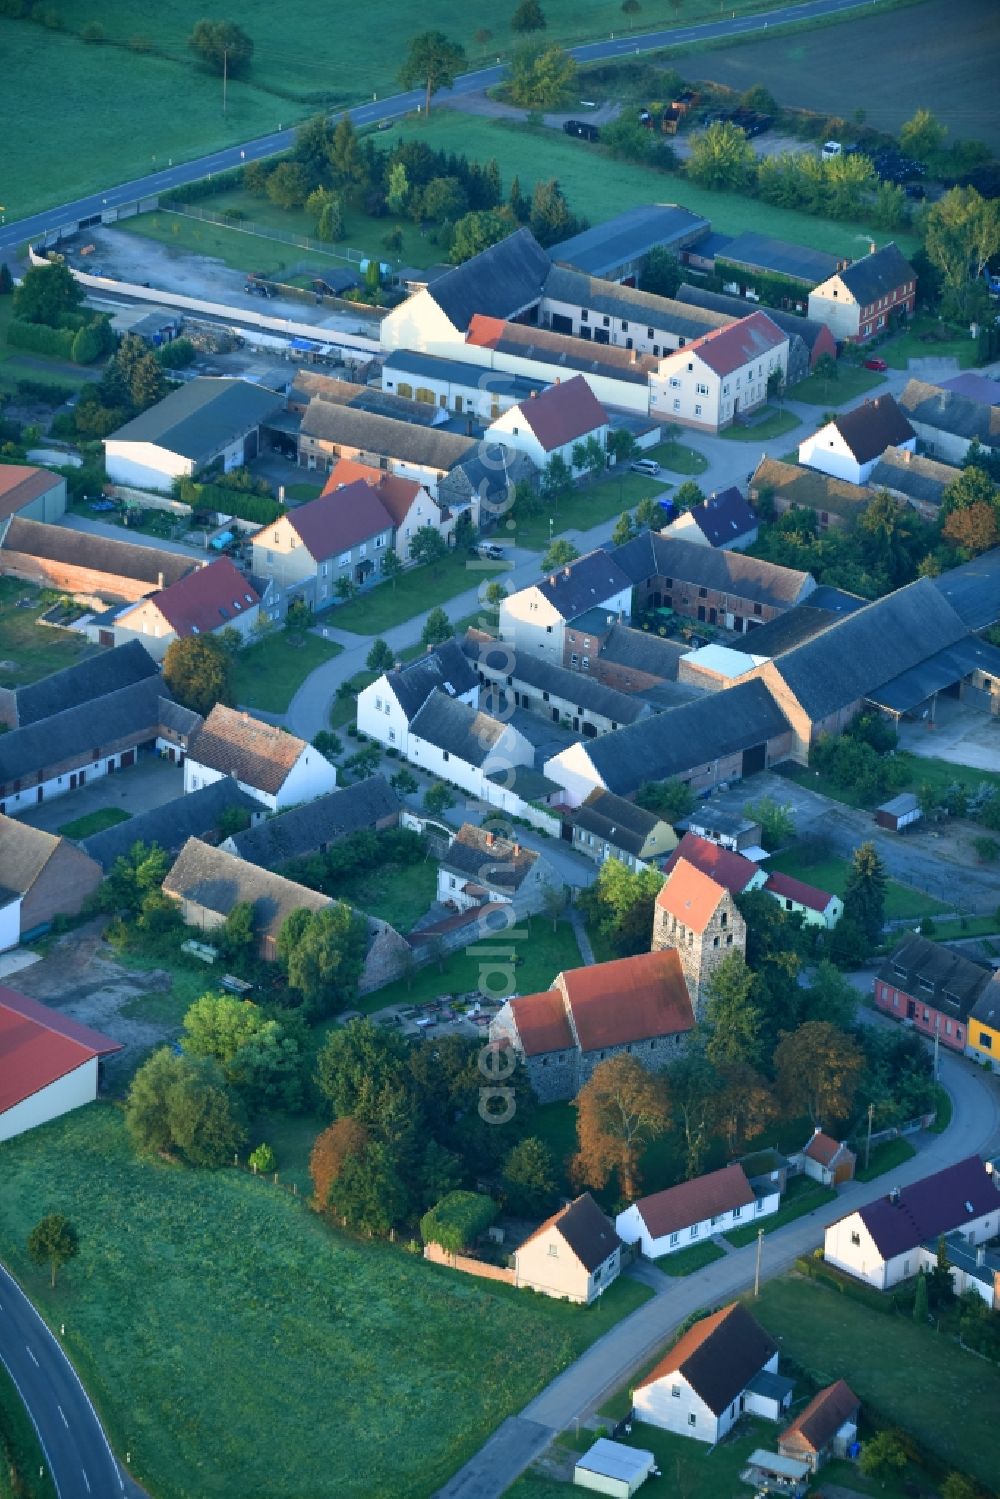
x=826, y=1429
x=206, y=422
x=931, y=988
x=918, y=481
x=972, y=1267
x=722, y=375
x=535, y=619
x=591, y=308
x=388, y=706
x=816, y=907
x=307, y=551
x=574, y=1255
x=32, y=493
x=606, y=826
x=370, y=806
x=880, y=1243
x=693, y=1211
x=205, y=602
x=726, y=1365
x=58, y=1063
x=264, y=761
x=330, y=431
x=94, y=676
x=724, y=520
x=808, y=340
x=697, y=917
x=849, y=446
x=41, y=876
x=727, y=867
x=482, y=868
x=91, y=567
x=630, y=1006
x=206, y=883
x=948, y=423
x=863, y=299
x=552, y=424
x=619, y=377
x=726, y=828
x=826, y=1160
x=200, y=814
x=409, y=504
x=457, y=742
x=785, y=486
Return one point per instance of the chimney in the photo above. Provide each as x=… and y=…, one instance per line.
x=907, y=455
x=534, y=394
x=633, y=356
x=489, y=838
x=552, y=580
x=559, y=379
x=159, y=580
x=871, y=248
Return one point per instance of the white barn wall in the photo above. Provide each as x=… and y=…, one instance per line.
x=70, y=1092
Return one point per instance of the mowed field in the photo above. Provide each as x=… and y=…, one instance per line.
x=237, y=1347
x=79, y=117
x=943, y=55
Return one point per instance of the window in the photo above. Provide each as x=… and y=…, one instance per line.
x=677, y=405
x=703, y=593
x=697, y=411
x=445, y=755
x=554, y=1250
x=606, y=321
x=675, y=383
x=574, y=660
x=387, y=709
x=649, y=332
x=344, y=559
x=392, y=736
x=363, y=550
x=585, y=316
x=856, y=1238
x=724, y=919
x=701, y=390
x=757, y=609
x=985, y=1041
x=378, y=705
x=624, y=326
x=692, y=1419
x=715, y=941
x=737, y=1212
x=693, y=1232
x=379, y=542
x=690, y=369
x=675, y=1391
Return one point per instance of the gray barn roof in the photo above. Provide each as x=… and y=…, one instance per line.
x=629, y=235
x=947, y=411
x=348, y=426
x=94, y=677
x=218, y=880
x=707, y=728
x=503, y=665
x=584, y=584
x=135, y=712
x=458, y=728
x=605, y=297
x=640, y=650
x=191, y=816
x=500, y=282
x=655, y=555
x=617, y=821
x=201, y=416
x=789, y=630
x=914, y=686
x=413, y=364
x=808, y=329
x=101, y=554
x=762, y=253
x=921, y=479
x=313, y=826
x=973, y=590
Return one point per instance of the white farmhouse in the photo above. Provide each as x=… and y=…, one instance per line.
x=550, y=424
x=722, y=375
x=724, y=1366
x=534, y=619
x=387, y=707
x=693, y=1211
x=850, y=446
x=264, y=761
x=51, y=1065
x=455, y=742
x=880, y=1242
x=574, y=1255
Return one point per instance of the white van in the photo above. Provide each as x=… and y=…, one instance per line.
x=647, y=466
x=830, y=150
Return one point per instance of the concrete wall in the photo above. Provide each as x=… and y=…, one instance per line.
x=70, y=1092
x=464, y=1262
x=144, y=464
x=10, y=923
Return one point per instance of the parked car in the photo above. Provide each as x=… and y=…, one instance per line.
x=491, y=551
x=876, y=364
x=648, y=466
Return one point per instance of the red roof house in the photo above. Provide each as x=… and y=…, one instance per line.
x=726, y=867
x=553, y=422
x=826, y=1428
x=205, y=602
x=48, y=1063
x=817, y=907
x=693, y=1211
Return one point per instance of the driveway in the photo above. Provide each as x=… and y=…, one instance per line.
x=960, y=735
x=147, y=784
x=606, y=1366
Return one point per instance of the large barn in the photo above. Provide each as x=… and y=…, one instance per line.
x=49, y=1063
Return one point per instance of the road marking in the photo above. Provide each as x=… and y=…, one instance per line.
x=85, y=1479
x=32, y=1356
x=63, y=1414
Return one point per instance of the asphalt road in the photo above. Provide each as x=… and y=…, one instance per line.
x=14, y=233
x=77, y=1451
x=575, y=1393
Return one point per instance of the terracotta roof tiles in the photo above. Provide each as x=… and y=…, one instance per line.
x=816, y=1426
x=541, y=1022
x=210, y=598
x=695, y=1201
x=722, y=865
x=690, y=895
x=628, y=999
x=258, y=754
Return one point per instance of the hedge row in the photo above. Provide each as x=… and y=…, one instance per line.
x=259, y=509
x=40, y=339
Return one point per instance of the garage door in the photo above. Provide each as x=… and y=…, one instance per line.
x=754, y=759
x=128, y=758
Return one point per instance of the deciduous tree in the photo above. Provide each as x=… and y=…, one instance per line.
x=620, y=1110
x=45, y=293
x=476, y=231
x=528, y=16
x=693, y=1084
x=883, y=1456
x=356, y=1065
x=198, y=672
x=818, y=1068
x=429, y=547
x=343, y=1138
x=181, y=1105
x=922, y=135
x=976, y=529
x=288, y=185
x=437, y=628
x=432, y=62
x=438, y=798
x=661, y=273
x=323, y=955
x=777, y=825
x=722, y=158
x=560, y=553
x=744, y=1103
x=223, y=46
x=53, y=1242
x=671, y=799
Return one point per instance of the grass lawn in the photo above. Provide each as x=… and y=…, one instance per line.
x=268, y=674
x=686, y=1261
x=29, y=650
x=928, y=338
x=943, y=1105
x=802, y=1196
x=242, y=248
x=771, y=426
x=964, y=926
x=678, y=458
x=291, y=1137
x=94, y=822
x=397, y=893
x=591, y=505
x=168, y=1007
x=850, y=384
x=303, y=492
x=833, y=1336
x=356, y=1338
x=831, y=874
x=885, y=1156
x=419, y=588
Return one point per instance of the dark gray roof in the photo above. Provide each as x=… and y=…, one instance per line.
x=643, y=651
x=710, y=726
x=526, y=782
x=218, y=880
x=94, y=677
x=489, y=470
x=348, y=426
x=444, y=667
x=607, y=298
x=201, y=416
x=973, y=590
x=458, y=728
x=133, y=712
x=192, y=816
x=956, y=982
x=809, y=489
x=630, y=235
x=500, y=282
x=411, y=363
x=583, y=584
x=787, y=630
x=617, y=821
x=949, y=666
x=987, y=1006
x=501, y=664
x=808, y=329
x=723, y=517
x=947, y=411
x=919, y=478
x=869, y=648
x=387, y=403
x=311, y=828
x=877, y=275
x=872, y=427
x=761, y=252
x=654, y=554
x=102, y=554
x=485, y=859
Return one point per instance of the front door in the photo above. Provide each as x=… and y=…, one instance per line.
x=128, y=758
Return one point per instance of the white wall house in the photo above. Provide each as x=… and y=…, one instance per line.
x=209, y=600
x=850, y=446
x=693, y=1212
x=573, y=1256
x=711, y=382
x=10, y=922
x=205, y=422
x=268, y=764
x=534, y=619
x=551, y=424
x=387, y=706
x=880, y=1243
x=70, y=1091
x=456, y=743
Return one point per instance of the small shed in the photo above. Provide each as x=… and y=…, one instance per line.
x=612, y=1468
x=768, y=1395
x=771, y=1473
x=898, y=813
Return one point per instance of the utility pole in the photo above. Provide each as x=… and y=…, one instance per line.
x=225, y=78
x=868, y=1142
x=756, y=1271
x=937, y=1049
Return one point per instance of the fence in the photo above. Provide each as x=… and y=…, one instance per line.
x=265, y=231
x=467, y=1265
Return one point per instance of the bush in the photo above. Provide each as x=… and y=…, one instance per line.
x=177, y=354
x=259, y=509
x=43, y=393
x=264, y=1160
x=458, y=1220
x=57, y=343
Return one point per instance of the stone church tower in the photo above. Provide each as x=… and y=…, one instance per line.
x=700, y=919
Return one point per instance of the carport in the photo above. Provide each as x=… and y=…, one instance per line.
x=968, y=670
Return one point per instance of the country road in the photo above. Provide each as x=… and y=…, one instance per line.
x=606, y=1365
x=76, y=1450
x=15, y=232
